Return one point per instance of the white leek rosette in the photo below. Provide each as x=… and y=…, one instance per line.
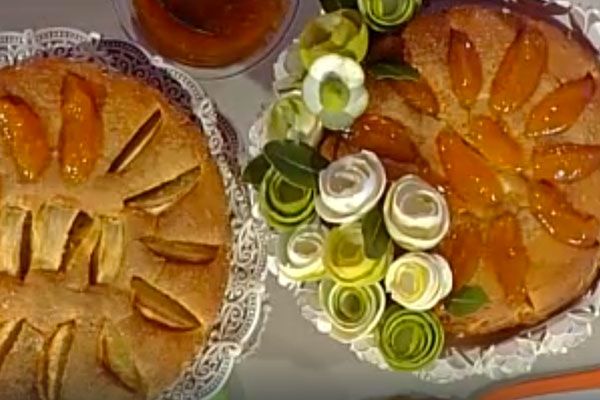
x=416, y=215
x=350, y=187
x=418, y=281
x=352, y=311
x=300, y=253
x=334, y=89
x=289, y=118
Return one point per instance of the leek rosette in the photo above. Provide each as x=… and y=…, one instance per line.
x=418, y=281
x=284, y=205
x=334, y=90
x=409, y=340
x=289, y=118
x=341, y=32
x=416, y=215
x=345, y=260
x=350, y=187
x=352, y=311
x=383, y=15
x=300, y=253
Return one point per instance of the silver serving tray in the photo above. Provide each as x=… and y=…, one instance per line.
x=244, y=310
x=516, y=355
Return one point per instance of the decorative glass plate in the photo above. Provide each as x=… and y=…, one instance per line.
x=244, y=308
x=129, y=23
x=516, y=355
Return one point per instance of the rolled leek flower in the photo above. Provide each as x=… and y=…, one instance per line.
x=409, y=340
x=300, y=253
x=353, y=311
x=334, y=89
x=289, y=118
x=383, y=15
x=283, y=205
x=345, y=260
x=350, y=187
x=341, y=32
x=416, y=215
x=418, y=281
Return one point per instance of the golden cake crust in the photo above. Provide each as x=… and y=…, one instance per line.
x=113, y=300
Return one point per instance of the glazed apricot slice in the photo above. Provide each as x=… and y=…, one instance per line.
x=418, y=95
x=559, y=110
x=554, y=212
x=492, y=140
x=463, y=248
x=468, y=174
x=81, y=133
x=565, y=162
x=519, y=73
x=384, y=136
x=506, y=254
x=25, y=137
x=465, y=68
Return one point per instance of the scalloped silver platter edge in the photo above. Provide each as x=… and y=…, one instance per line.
x=514, y=356
x=245, y=308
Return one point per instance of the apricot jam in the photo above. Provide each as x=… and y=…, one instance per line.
x=208, y=33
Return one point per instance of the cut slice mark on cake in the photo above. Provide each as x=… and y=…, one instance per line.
x=187, y=252
x=116, y=356
x=137, y=142
x=159, y=307
x=9, y=333
x=53, y=361
x=162, y=196
x=15, y=228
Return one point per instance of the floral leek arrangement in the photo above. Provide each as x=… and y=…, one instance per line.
x=366, y=242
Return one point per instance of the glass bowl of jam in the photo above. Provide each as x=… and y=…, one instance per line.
x=210, y=39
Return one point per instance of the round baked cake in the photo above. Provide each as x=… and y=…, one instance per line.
x=114, y=235
x=505, y=120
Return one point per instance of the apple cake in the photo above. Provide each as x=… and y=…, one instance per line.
x=114, y=235
x=504, y=118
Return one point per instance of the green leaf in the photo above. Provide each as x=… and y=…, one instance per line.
x=375, y=234
x=397, y=71
x=333, y=5
x=299, y=163
x=468, y=300
x=255, y=170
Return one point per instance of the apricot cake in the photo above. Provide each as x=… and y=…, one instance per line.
x=114, y=235
x=504, y=119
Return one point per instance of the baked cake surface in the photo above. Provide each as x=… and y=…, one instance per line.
x=114, y=235
x=505, y=120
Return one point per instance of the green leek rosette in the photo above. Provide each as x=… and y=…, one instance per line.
x=289, y=118
x=353, y=311
x=345, y=259
x=334, y=89
x=383, y=15
x=284, y=205
x=341, y=32
x=300, y=253
x=409, y=340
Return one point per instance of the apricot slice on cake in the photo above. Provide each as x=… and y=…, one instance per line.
x=417, y=94
x=468, y=174
x=465, y=68
x=520, y=71
x=554, y=212
x=565, y=162
x=559, y=110
x=25, y=137
x=492, y=140
x=463, y=248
